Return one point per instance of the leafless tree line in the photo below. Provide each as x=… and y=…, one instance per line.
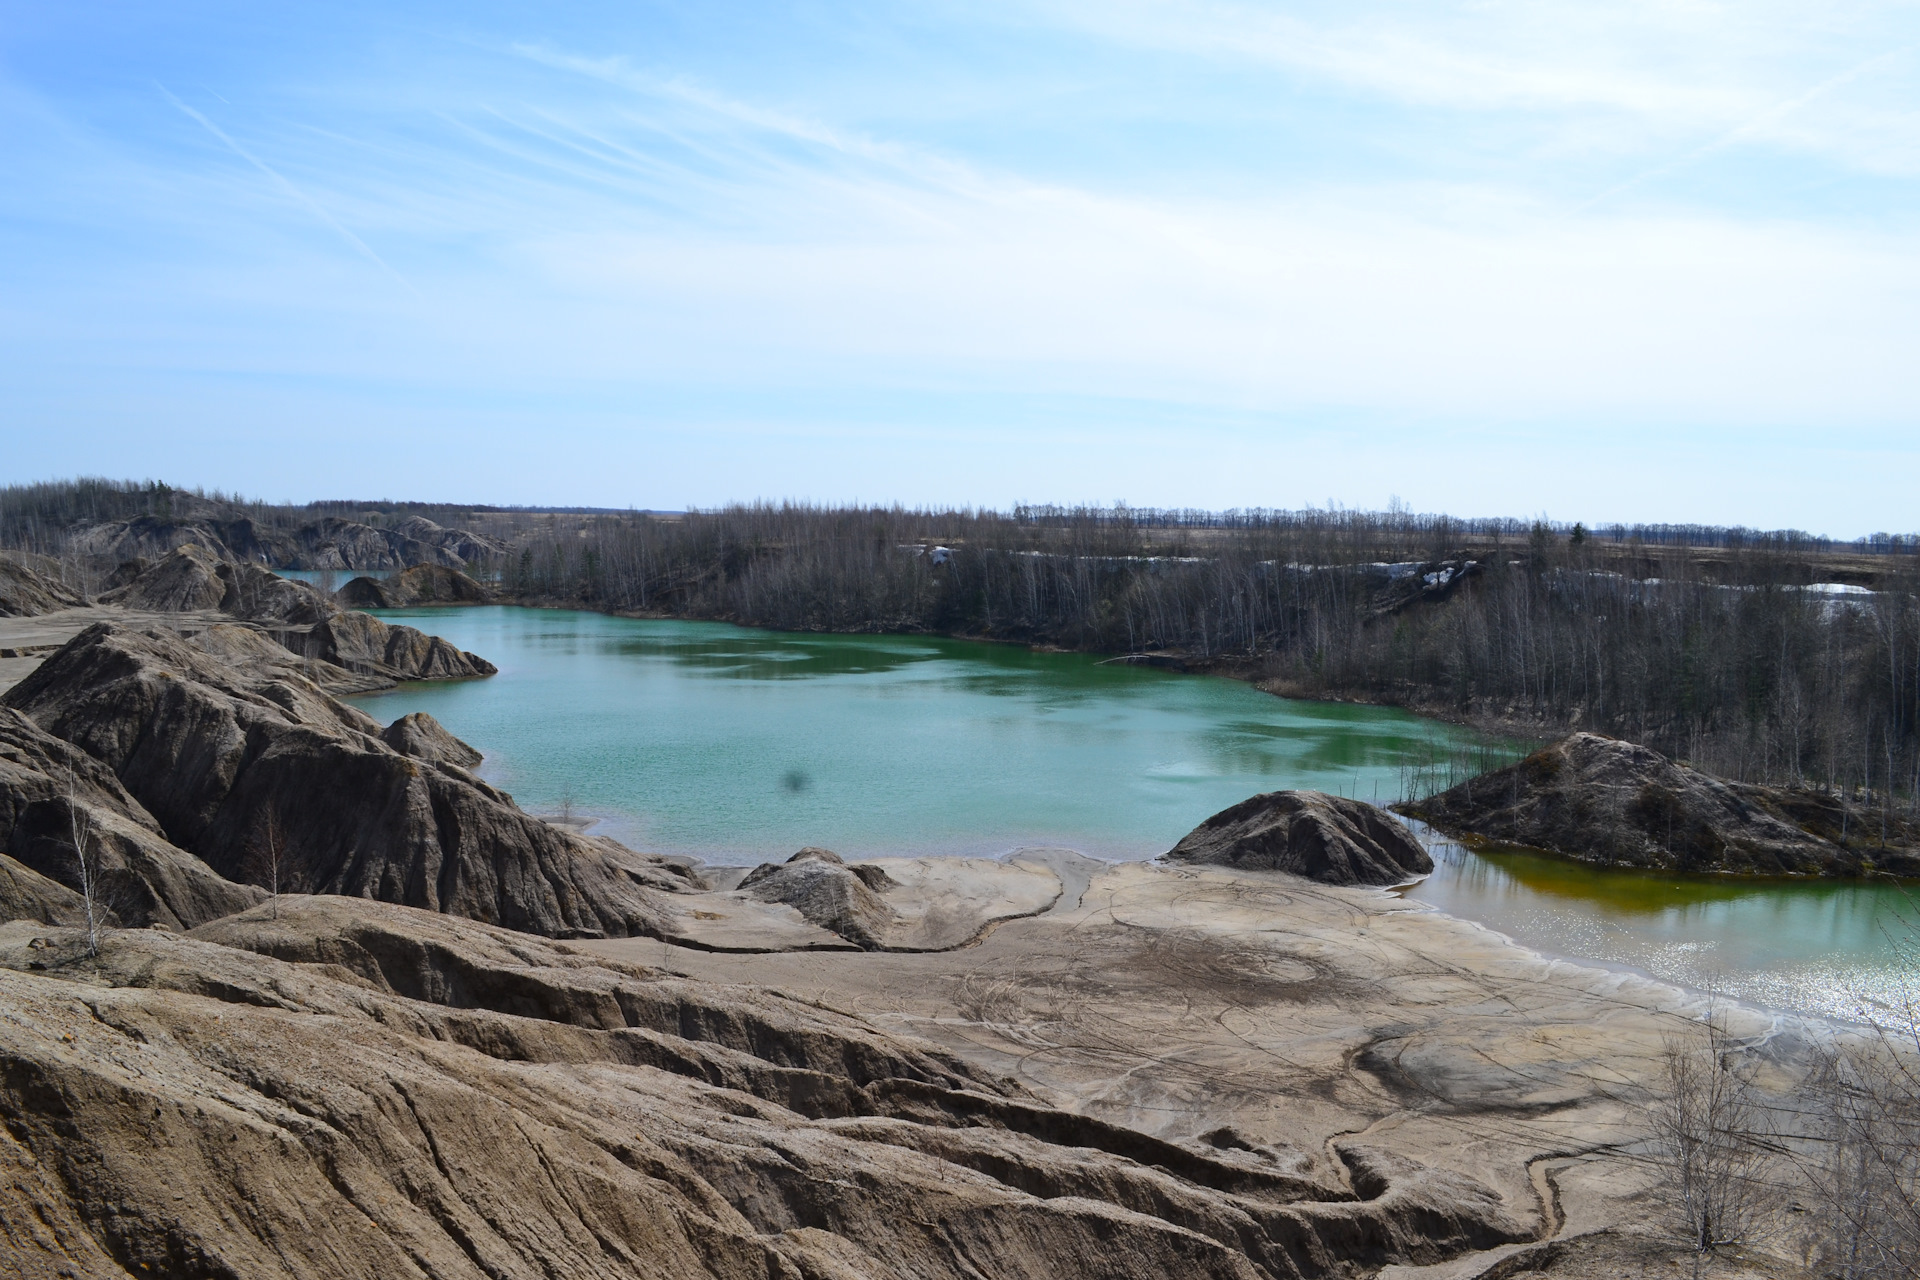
x=1721, y=654
x=1702, y=642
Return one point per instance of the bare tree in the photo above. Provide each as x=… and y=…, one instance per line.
x=86, y=857
x=1712, y=1136
x=1869, y=1179
x=267, y=858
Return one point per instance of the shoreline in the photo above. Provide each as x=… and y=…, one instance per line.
x=1240, y=669
x=1180, y=1001
x=44, y=627
x=730, y=873
x=1328, y=1031
x=1393, y=894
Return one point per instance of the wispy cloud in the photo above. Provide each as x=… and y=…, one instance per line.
x=280, y=180
x=1765, y=120
x=1289, y=217
x=918, y=163
x=1673, y=68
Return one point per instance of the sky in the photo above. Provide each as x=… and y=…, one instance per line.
x=1594, y=259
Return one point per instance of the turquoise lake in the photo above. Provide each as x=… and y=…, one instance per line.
x=738, y=745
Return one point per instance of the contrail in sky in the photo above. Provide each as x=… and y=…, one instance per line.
x=291, y=190
x=1740, y=131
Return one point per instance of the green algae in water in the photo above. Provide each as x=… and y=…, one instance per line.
x=738, y=745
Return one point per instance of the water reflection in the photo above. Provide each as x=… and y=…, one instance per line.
x=739, y=745
x=1832, y=947
x=683, y=736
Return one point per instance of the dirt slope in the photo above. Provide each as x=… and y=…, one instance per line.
x=355, y=1090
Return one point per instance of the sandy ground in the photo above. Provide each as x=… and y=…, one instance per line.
x=25, y=642
x=1185, y=1000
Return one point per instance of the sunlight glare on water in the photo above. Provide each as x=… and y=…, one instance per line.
x=1838, y=948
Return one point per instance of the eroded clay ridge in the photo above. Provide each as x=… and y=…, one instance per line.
x=326, y=1088
x=1603, y=800
x=421, y=584
x=27, y=594
x=216, y=759
x=329, y=543
x=303, y=619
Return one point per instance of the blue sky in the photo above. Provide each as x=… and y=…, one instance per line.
x=1606, y=260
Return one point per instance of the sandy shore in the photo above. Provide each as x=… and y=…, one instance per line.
x=1181, y=1001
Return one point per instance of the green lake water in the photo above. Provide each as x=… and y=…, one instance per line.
x=739, y=745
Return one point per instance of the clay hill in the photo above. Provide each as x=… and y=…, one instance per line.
x=216, y=759
x=346, y=1089
x=300, y=617
x=421, y=584
x=1309, y=833
x=1603, y=800
x=26, y=593
x=330, y=543
x=53, y=797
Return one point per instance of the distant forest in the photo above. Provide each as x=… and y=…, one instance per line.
x=1772, y=656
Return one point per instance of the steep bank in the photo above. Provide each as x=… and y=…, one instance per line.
x=258, y=773
x=25, y=593
x=55, y=800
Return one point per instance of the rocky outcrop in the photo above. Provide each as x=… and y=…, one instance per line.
x=353, y=1090
x=364, y=644
x=237, y=767
x=1602, y=800
x=55, y=800
x=827, y=892
x=419, y=735
x=1309, y=833
x=27, y=594
x=422, y=584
